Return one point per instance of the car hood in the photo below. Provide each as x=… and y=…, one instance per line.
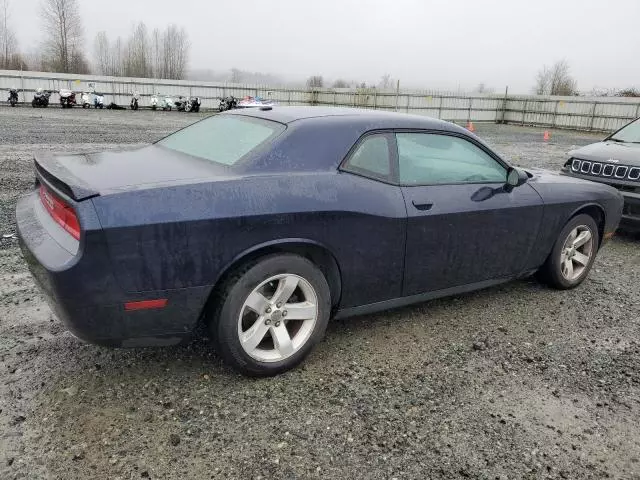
x=86, y=175
x=608, y=151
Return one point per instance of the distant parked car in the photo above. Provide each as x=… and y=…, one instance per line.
x=262, y=223
x=616, y=162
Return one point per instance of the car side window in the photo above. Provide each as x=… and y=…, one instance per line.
x=371, y=158
x=434, y=159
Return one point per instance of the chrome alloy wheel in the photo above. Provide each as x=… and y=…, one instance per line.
x=277, y=318
x=576, y=252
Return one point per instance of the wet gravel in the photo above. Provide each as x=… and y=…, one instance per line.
x=512, y=382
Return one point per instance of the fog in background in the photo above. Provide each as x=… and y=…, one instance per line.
x=425, y=44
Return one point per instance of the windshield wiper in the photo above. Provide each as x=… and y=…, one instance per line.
x=616, y=140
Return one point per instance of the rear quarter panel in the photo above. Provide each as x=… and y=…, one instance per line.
x=186, y=236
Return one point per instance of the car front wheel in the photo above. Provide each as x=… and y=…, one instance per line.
x=270, y=314
x=573, y=253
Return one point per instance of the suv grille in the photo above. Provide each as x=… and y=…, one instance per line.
x=598, y=169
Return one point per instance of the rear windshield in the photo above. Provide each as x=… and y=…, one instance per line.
x=223, y=139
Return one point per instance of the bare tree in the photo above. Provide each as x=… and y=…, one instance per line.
x=555, y=80
x=164, y=54
x=339, y=83
x=78, y=63
x=315, y=81
x=543, y=82
x=117, y=58
x=138, y=63
x=562, y=83
x=63, y=29
x=102, y=53
x=175, y=45
x=236, y=75
x=386, y=81
x=8, y=41
x=35, y=61
x=157, y=54
x=628, y=92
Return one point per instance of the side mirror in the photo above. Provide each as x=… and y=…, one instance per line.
x=516, y=177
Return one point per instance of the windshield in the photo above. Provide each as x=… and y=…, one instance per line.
x=630, y=133
x=223, y=139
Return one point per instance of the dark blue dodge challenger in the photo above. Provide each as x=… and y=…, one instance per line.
x=262, y=224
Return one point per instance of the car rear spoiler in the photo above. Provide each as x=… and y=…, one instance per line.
x=61, y=178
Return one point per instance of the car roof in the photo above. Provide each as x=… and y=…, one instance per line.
x=382, y=118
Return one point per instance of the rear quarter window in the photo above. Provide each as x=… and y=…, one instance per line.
x=223, y=139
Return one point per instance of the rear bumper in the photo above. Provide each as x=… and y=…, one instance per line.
x=85, y=296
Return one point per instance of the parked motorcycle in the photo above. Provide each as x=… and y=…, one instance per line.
x=154, y=102
x=98, y=100
x=115, y=106
x=193, y=105
x=40, y=98
x=13, y=97
x=167, y=103
x=228, y=103
x=86, y=100
x=134, y=101
x=67, y=98
x=180, y=103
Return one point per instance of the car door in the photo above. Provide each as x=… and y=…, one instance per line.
x=370, y=242
x=463, y=225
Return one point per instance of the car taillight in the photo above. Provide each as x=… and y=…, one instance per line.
x=60, y=211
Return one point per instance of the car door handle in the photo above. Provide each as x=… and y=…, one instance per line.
x=423, y=206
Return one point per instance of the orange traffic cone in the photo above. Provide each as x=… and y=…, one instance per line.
x=546, y=136
x=470, y=127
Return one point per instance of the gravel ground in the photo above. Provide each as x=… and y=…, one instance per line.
x=512, y=382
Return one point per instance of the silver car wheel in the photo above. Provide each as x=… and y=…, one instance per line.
x=576, y=253
x=278, y=318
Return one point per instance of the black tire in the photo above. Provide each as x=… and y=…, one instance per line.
x=551, y=272
x=229, y=300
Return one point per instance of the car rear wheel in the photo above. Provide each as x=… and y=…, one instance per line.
x=270, y=314
x=573, y=253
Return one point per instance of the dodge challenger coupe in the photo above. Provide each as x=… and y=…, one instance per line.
x=616, y=162
x=261, y=224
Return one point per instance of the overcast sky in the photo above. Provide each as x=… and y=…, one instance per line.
x=424, y=43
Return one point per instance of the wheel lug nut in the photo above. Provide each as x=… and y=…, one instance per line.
x=284, y=313
x=279, y=305
x=277, y=324
x=267, y=321
x=268, y=310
